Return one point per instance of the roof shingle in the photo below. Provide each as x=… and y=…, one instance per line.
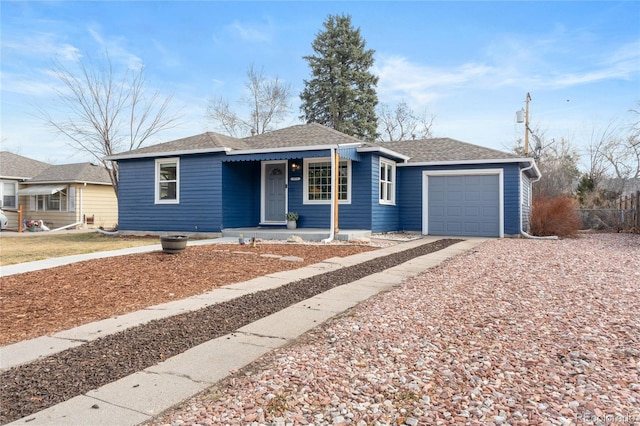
x=18, y=167
x=77, y=172
x=445, y=149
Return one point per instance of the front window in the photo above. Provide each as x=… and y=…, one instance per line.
x=9, y=195
x=167, y=184
x=317, y=183
x=52, y=202
x=387, y=182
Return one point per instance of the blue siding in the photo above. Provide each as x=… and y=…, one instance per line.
x=200, y=207
x=409, y=198
x=384, y=217
x=240, y=194
x=410, y=194
x=219, y=191
x=511, y=199
x=526, y=207
x=357, y=215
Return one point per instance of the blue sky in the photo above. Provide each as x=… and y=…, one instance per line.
x=470, y=64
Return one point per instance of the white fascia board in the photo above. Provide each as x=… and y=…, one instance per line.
x=165, y=154
x=24, y=178
x=63, y=182
x=385, y=151
x=290, y=149
x=451, y=163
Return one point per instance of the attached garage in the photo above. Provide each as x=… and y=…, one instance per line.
x=463, y=203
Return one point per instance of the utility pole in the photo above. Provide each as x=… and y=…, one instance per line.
x=526, y=127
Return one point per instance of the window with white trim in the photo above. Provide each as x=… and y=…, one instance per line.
x=317, y=181
x=9, y=195
x=167, y=181
x=387, y=193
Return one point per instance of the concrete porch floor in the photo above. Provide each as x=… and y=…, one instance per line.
x=307, y=234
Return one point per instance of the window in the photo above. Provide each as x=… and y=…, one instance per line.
x=51, y=202
x=167, y=185
x=317, y=181
x=9, y=195
x=387, y=182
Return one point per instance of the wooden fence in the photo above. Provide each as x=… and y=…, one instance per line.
x=630, y=205
x=622, y=215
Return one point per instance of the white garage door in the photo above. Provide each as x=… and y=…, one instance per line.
x=465, y=205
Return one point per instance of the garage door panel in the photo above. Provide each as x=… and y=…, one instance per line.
x=471, y=204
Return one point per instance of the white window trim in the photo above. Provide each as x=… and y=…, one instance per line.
x=392, y=200
x=305, y=177
x=34, y=201
x=15, y=194
x=160, y=161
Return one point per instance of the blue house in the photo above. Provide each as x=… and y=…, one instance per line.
x=211, y=183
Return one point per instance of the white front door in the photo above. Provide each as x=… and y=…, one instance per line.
x=274, y=191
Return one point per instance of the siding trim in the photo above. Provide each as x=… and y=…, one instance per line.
x=461, y=172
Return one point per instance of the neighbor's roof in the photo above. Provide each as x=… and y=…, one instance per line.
x=77, y=172
x=445, y=149
x=14, y=166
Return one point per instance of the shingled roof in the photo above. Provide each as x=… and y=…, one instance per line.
x=77, y=172
x=14, y=166
x=302, y=135
x=311, y=134
x=445, y=149
x=208, y=141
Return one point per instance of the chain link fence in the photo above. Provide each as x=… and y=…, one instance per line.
x=623, y=215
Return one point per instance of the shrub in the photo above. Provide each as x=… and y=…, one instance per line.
x=554, y=216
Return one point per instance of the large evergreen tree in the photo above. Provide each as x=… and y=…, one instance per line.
x=341, y=92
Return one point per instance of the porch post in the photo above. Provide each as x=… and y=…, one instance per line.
x=336, y=192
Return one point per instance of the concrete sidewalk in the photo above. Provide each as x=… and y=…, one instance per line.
x=141, y=396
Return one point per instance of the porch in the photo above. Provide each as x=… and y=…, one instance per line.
x=307, y=234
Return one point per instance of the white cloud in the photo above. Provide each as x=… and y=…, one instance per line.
x=115, y=48
x=168, y=58
x=420, y=84
x=256, y=33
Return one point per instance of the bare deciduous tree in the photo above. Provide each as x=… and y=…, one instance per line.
x=615, y=154
x=558, y=164
x=267, y=100
x=108, y=112
x=402, y=123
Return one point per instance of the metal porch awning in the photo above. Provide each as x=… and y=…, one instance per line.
x=41, y=189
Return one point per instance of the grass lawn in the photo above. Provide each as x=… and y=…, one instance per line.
x=25, y=248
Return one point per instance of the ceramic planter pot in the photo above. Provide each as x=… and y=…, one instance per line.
x=174, y=243
x=291, y=224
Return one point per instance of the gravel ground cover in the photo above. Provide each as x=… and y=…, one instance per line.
x=518, y=332
x=32, y=387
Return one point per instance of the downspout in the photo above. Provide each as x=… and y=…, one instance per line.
x=522, y=231
x=334, y=197
x=81, y=217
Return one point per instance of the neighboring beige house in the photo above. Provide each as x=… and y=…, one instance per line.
x=62, y=196
x=15, y=169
